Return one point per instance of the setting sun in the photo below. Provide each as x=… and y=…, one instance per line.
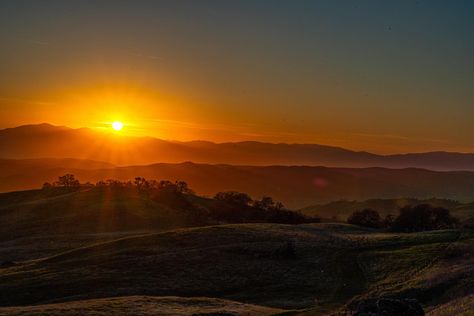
x=117, y=125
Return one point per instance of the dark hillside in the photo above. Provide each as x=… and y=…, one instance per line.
x=319, y=267
x=55, y=215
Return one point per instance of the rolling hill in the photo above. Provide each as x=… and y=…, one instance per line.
x=100, y=250
x=143, y=306
x=44, y=140
x=333, y=265
x=57, y=218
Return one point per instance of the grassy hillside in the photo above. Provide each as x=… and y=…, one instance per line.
x=463, y=306
x=58, y=246
x=90, y=210
x=252, y=263
x=142, y=306
x=58, y=218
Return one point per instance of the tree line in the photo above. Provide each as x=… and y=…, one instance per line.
x=228, y=206
x=69, y=181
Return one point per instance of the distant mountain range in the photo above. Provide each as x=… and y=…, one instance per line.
x=295, y=186
x=45, y=140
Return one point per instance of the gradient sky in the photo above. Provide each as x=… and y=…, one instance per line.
x=384, y=76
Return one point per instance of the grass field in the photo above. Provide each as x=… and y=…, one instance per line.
x=463, y=306
x=127, y=267
x=333, y=264
x=142, y=306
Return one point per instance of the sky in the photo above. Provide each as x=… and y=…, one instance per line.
x=381, y=76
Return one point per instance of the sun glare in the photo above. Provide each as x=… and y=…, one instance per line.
x=117, y=125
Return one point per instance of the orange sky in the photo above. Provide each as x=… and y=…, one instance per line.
x=146, y=112
x=232, y=72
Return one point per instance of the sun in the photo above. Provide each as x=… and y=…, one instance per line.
x=117, y=125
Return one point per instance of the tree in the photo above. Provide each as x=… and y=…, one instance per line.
x=141, y=183
x=388, y=221
x=183, y=188
x=366, y=218
x=423, y=217
x=167, y=186
x=68, y=181
x=234, y=197
x=47, y=186
x=266, y=203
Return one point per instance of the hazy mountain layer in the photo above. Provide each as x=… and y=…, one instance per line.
x=44, y=140
x=295, y=186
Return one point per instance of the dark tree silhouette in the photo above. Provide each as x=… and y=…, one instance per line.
x=366, y=218
x=234, y=197
x=266, y=203
x=47, y=186
x=141, y=183
x=183, y=188
x=423, y=217
x=67, y=181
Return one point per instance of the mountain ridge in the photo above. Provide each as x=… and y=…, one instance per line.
x=295, y=186
x=46, y=140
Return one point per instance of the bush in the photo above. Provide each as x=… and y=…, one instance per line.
x=366, y=218
x=68, y=181
x=233, y=197
x=423, y=217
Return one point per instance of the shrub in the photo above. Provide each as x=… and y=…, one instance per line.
x=234, y=197
x=67, y=181
x=423, y=217
x=366, y=218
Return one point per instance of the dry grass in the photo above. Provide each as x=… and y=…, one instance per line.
x=142, y=305
x=461, y=307
x=248, y=263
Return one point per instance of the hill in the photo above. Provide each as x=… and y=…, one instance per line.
x=463, y=306
x=57, y=218
x=122, y=245
x=295, y=186
x=25, y=174
x=44, y=140
x=331, y=266
x=142, y=306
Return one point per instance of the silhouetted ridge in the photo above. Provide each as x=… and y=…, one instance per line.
x=45, y=140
